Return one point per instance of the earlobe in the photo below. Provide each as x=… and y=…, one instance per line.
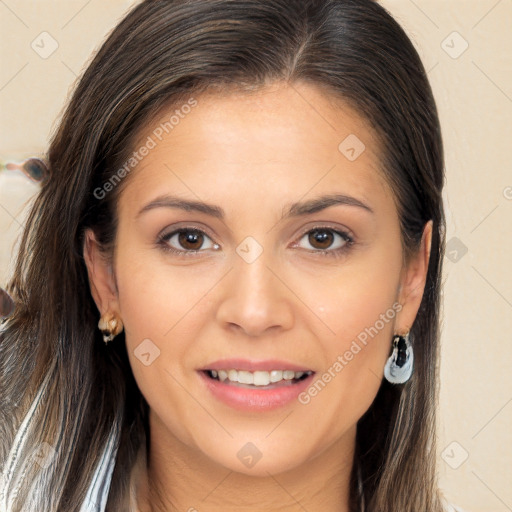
x=99, y=271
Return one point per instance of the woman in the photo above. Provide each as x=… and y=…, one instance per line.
x=227, y=290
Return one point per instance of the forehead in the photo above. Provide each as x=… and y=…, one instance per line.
x=282, y=138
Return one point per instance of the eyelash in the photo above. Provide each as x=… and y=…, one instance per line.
x=333, y=253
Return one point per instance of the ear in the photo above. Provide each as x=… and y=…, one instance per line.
x=101, y=276
x=412, y=282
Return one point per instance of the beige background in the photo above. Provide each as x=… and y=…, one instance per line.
x=474, y=93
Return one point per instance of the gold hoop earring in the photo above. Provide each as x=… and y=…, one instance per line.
x=110, y=325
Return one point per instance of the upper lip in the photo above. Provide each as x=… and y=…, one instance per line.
x=253, y=365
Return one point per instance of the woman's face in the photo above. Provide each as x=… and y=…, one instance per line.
x=217, y=258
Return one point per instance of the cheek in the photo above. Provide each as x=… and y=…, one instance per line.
x=358, y=301
x=358, y=309
x=362, y=316
x=159, y=315
x=354, y=359
x=163, y=309
x=156, y=299
x=358, y=347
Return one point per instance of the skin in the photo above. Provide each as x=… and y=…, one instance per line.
x=253, y=154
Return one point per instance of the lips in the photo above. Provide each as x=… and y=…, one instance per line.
x=252, y=365
x=244, y=397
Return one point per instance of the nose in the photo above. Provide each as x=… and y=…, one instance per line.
x=255, y=299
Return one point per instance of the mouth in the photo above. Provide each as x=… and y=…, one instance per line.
x=255, y=391
x=253, y=385
x=257, y=379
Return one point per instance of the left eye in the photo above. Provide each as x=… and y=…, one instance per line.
x=323, y=239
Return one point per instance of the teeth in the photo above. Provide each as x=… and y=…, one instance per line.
x=258, y=378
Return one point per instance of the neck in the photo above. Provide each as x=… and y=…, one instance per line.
x=177, y=477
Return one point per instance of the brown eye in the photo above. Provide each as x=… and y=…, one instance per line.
x=187, y=241
x=321, y=238
x=191, y=240
x=327, y=241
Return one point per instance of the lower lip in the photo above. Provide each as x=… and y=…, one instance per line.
x=258, y=399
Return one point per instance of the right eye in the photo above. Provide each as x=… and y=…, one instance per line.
x=185, y=241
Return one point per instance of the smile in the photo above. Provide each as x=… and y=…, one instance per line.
x=257, y=378
x=268, y=391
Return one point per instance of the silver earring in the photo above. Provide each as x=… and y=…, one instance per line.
x=399, y=365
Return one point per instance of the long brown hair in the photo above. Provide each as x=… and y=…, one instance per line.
x=163, y=53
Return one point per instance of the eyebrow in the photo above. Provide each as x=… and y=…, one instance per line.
x=290, y=210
